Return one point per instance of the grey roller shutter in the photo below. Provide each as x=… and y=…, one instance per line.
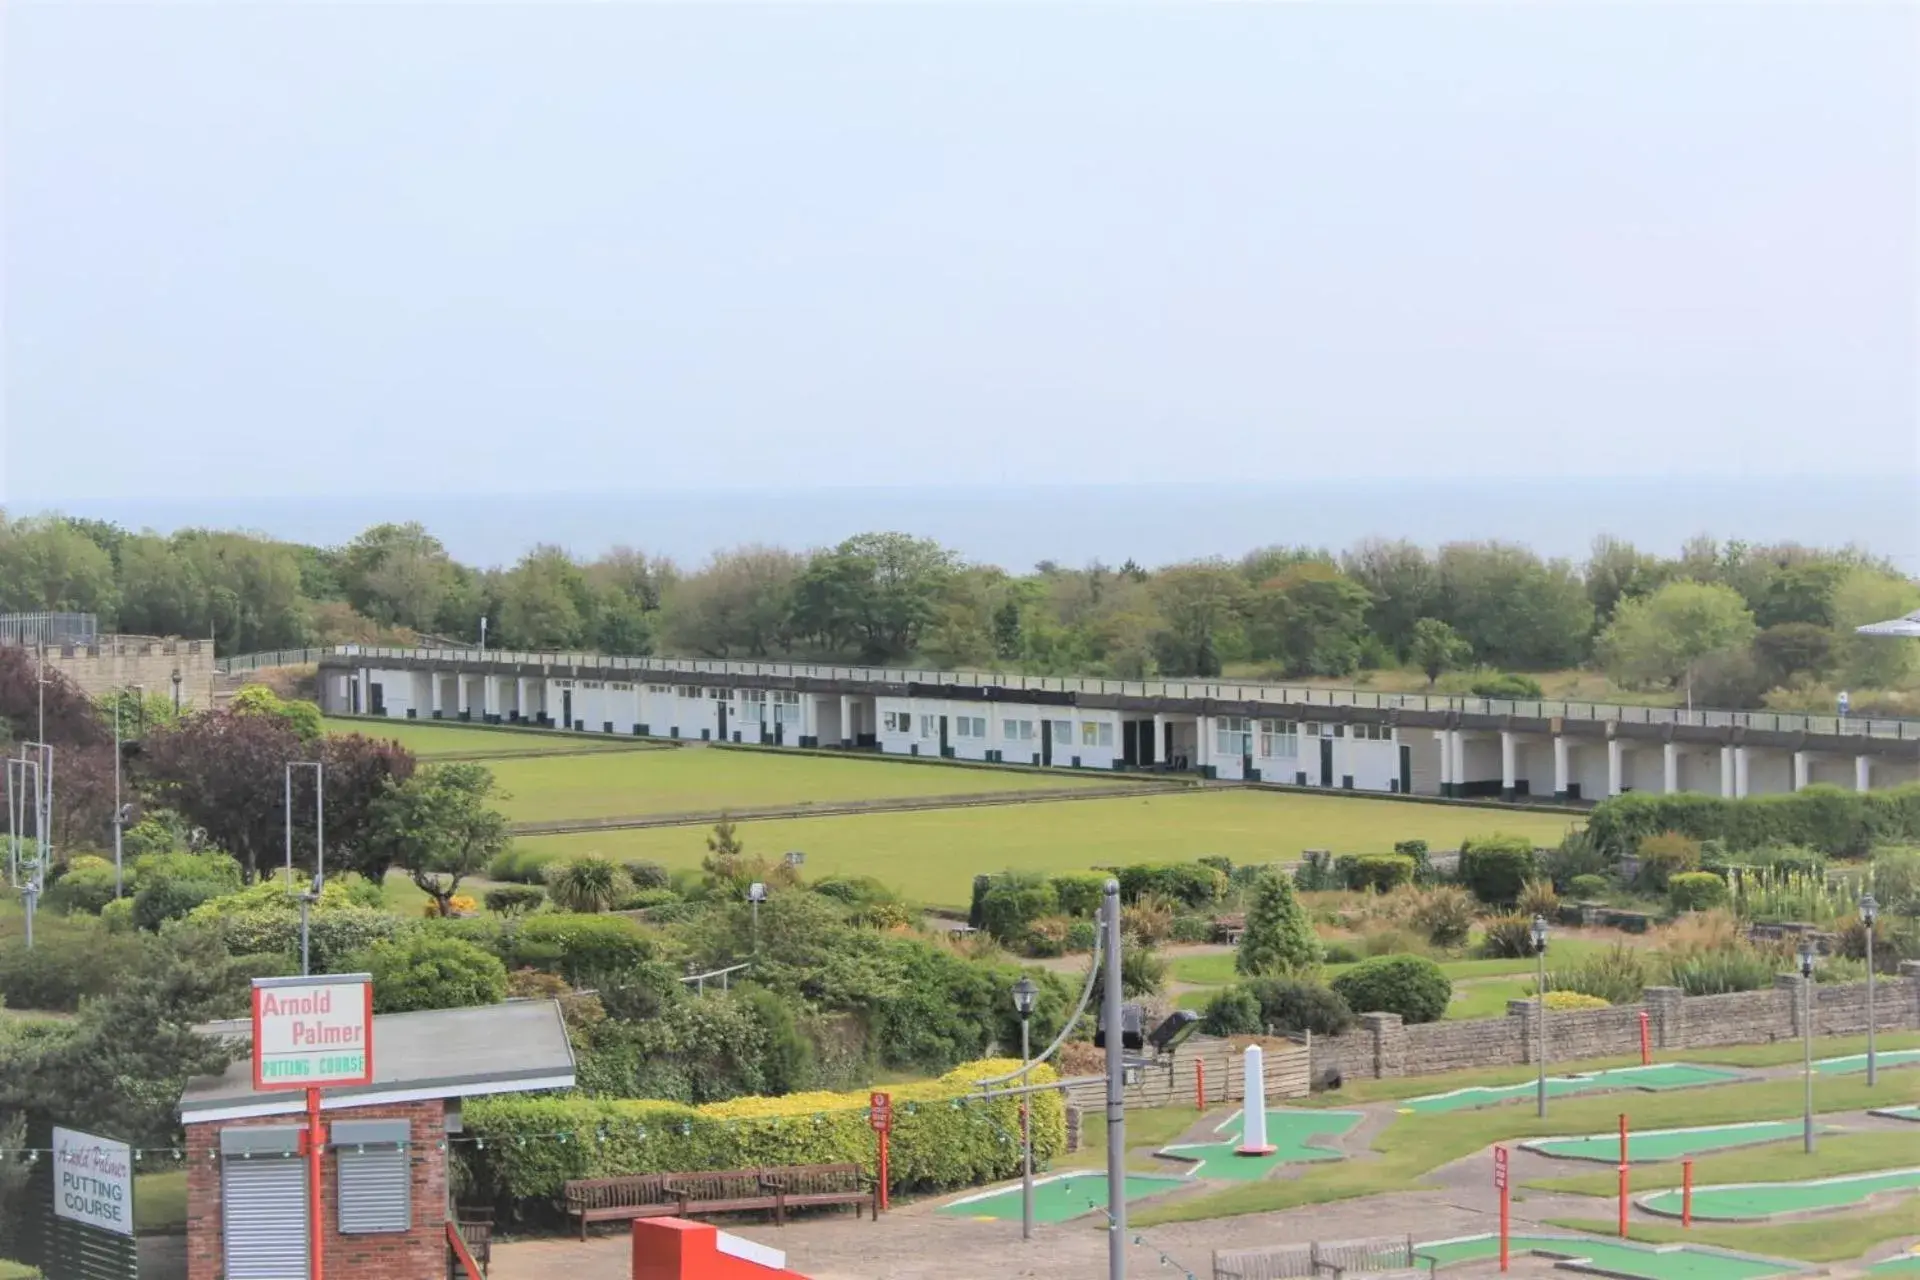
x=263, y=1215
x=375, y=1176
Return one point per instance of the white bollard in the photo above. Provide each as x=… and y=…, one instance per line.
x=1253, y=1113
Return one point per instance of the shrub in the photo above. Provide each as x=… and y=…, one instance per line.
x=1142, y=972
x=1570, y=1001
x=1186, y=882
x=520, y=866
x=1190, y=929
x=1380, y=872
x=1589, y=888
x=1411, y=986
x=69, y=961
x=459, y=904
x=1713, y=973
x=1278, y=939
x=1342, y=953
x=85, y=887
x=1079, y=894
x=649, y=899
x=578, y=947
x=1537, y=898
x=855, y=891
x=212, y=868
x=117, y=916
x=1576, y=855
x=647, y=875
x=1830, y=819
x=1014, y=902
x=1232, y=1011
x=1443, y=912
x=1508, y=937
x=1081, y=935
x=1696, y=891
x=424, y=971
x=1317, y=872
x=1495, y=867
x=1296, y=1005
x=1415, y=849
x=587, y=885
x=1664, y=856
x=1506, y=685
x=1896, y=880
x=945, y=1135
x=1392, y=941
x=1148, y=918
x=1047, y=936
x=1617, y=975
x=165, y=900
x=515, y=899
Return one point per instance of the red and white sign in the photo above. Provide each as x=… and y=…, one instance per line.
x=1500, y=1168
x=314, y=1032
x=880, y=1112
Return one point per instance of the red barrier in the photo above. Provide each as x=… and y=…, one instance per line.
x=1686, y=1193
x=1623, y=1176
x=1506, y=1201
x=1646, y=1041
x=675, y=1249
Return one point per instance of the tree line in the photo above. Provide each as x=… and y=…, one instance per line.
x=1727, y=621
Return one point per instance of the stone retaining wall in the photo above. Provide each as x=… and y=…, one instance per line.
x=1384, y=1046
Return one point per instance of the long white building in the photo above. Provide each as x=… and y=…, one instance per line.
x=1335, y=739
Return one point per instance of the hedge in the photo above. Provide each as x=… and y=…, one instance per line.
x=1381, y=872
x=1496, y=867
x=944, y=1136
x=1831, y=819
x=1186, y=882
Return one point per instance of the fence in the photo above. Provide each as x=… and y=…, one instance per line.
x=1219, y=691
x=49, y=629
x=1300, y=1261
x=1171, y=1081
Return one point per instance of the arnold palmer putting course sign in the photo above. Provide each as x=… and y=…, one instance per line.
x=314, y=1032
x=93, y=1181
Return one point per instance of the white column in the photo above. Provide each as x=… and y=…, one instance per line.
x=1726, y=773
x=1445, y=740
x=1507, y=764
x=1740, y=773
x=1160, y=738
x=1457, y=748
x=1614, y=770
x=520, y=697
x=1862, y=772
x=1562, y=767
x=1670, y=767
x=366, y=691
x=1802, y=765
x=486, y=696
x=433, y=694
x=847, y=734
x=1203, y=741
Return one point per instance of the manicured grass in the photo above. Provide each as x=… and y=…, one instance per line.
x=1747, y=1202
x=160, y=1200
x=1290, y=1132
x=1414, y=1145
x=1835, y=1155
x=1830, y=1238
x=1653, y=1145
x=1609, y=1257
x=1658, y=1076
x=432, y=739
x=617, y=784
x=1058, y=1198
x=1486, y=998
x=932, y=856
x=1149, y=1127
x=1784, y=1051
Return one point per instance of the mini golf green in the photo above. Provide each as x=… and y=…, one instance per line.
x=1906, y=1264
x=1666, y=1144
x=1287, y=1132
x=1857, y=1062
x=1613, y=1257
x=1746, y=1202
x=1898, y=1113
x=1056, y=1198
x=1660, y=1076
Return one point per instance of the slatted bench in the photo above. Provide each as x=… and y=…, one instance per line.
x=816, y=1185
x=621, y=1199
x=683, y=1195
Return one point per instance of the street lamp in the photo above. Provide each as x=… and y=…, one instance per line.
x=1025, y=993
x=1806, y=1022
x=1540, y=1014
x=1869, y=912
x=756, y=894
x=121, y=811
x=307, y=899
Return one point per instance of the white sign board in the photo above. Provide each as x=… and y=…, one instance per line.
x=93, y=1181
x=313, y=1033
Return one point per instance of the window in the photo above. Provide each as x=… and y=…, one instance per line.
x=1232, y=736
x=897, y=722
x=688, y=691
x=1279, y=739
x=1063, y=733
x=718, y=695
x=1017, y=730
x=1089, y=734
x=659, y=688
x=753, y=705
x=971, y=726
x=929, y=726
x=786, y=708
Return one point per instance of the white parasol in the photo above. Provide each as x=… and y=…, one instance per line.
x=1908, y=626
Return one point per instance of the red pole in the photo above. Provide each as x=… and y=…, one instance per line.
x=316, y=1143
x=1686, y=1193
x=883, y=1171
x=1506, y=1222
x=1199, y=1085
x=1623, y=1175
x=1646, y=1041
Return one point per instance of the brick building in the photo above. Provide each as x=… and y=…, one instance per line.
x=384, y=1195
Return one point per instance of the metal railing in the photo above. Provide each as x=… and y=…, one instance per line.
x=50, y=629
x=672, y=669
x=270, y=658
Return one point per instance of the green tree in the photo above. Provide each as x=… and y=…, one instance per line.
x=48, y=564
x=1872, y=662
x=398, y=574
x=1619, y=571
x=439, y=827
x=421, y=970
x=1655, y=641
x=742, y=602
x=1436, y=647
x=1202, y=610
x=879, y=591
x=1403, y=584
x=1310, y=617
x=259, y=700
x=1514, y=608
x=1279, y=939
x=545, y=602
x=1789, y=649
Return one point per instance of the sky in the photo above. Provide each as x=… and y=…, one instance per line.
x=351, y=249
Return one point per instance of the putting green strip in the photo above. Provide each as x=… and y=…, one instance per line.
x=1907, y=1264
x=1661, y=1076
x=1898, y=1113
x=1287, y=1132
x=1059, y=1197
x=1746, y=1202
x=1613, y=1257
x=1665, y=1144
x=1854, y=1063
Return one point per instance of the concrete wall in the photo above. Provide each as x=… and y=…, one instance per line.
x=1176, y=1084
x=119, y=661
x=1384, y=1046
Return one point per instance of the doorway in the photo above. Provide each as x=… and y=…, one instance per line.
x=1326, y=762
x=1046, y=742
x=566, y=708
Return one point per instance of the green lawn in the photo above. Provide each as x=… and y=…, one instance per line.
x=932, y=856
x=430, y=739
x=617, y=784
x=1217, y=970
x=1829, y=1238
x=1414, y=1145
x=1486, y=998
x=1835, y=1156
x=160, y=1200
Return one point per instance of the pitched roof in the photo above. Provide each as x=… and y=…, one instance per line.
x=517, y=1047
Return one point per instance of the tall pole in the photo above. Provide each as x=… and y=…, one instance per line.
x=289, y=811
x=1116, y=1090
x=1539, y=934
x=1026, y=1136
x=118, y=822
x=1806, y=1020
x=306, y=967
x=1869, y=912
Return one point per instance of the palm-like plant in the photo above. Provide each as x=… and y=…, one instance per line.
x=589, y=884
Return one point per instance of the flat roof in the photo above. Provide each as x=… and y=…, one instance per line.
x=520, y=1046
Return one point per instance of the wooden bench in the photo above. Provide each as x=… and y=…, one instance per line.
x=682, y=1195
x=622, y=1199
x=814, y=1185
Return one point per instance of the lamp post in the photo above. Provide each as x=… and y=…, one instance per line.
x=120, y=810
x=1869, y=912
x=1540, y=1014
x=307, y=899
x=319, y=816
x=756, y=894
x=1806, y=1023
x=1024, y=995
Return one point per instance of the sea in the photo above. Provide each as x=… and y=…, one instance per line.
x=1019, y=526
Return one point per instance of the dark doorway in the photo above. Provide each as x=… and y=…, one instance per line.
x=1326, y=762
x=1046, y=742
x=1406, y=770
x=722, y=704
x=566, y=707
x=943, y=736
x=377, y=699
x=1145, y=735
